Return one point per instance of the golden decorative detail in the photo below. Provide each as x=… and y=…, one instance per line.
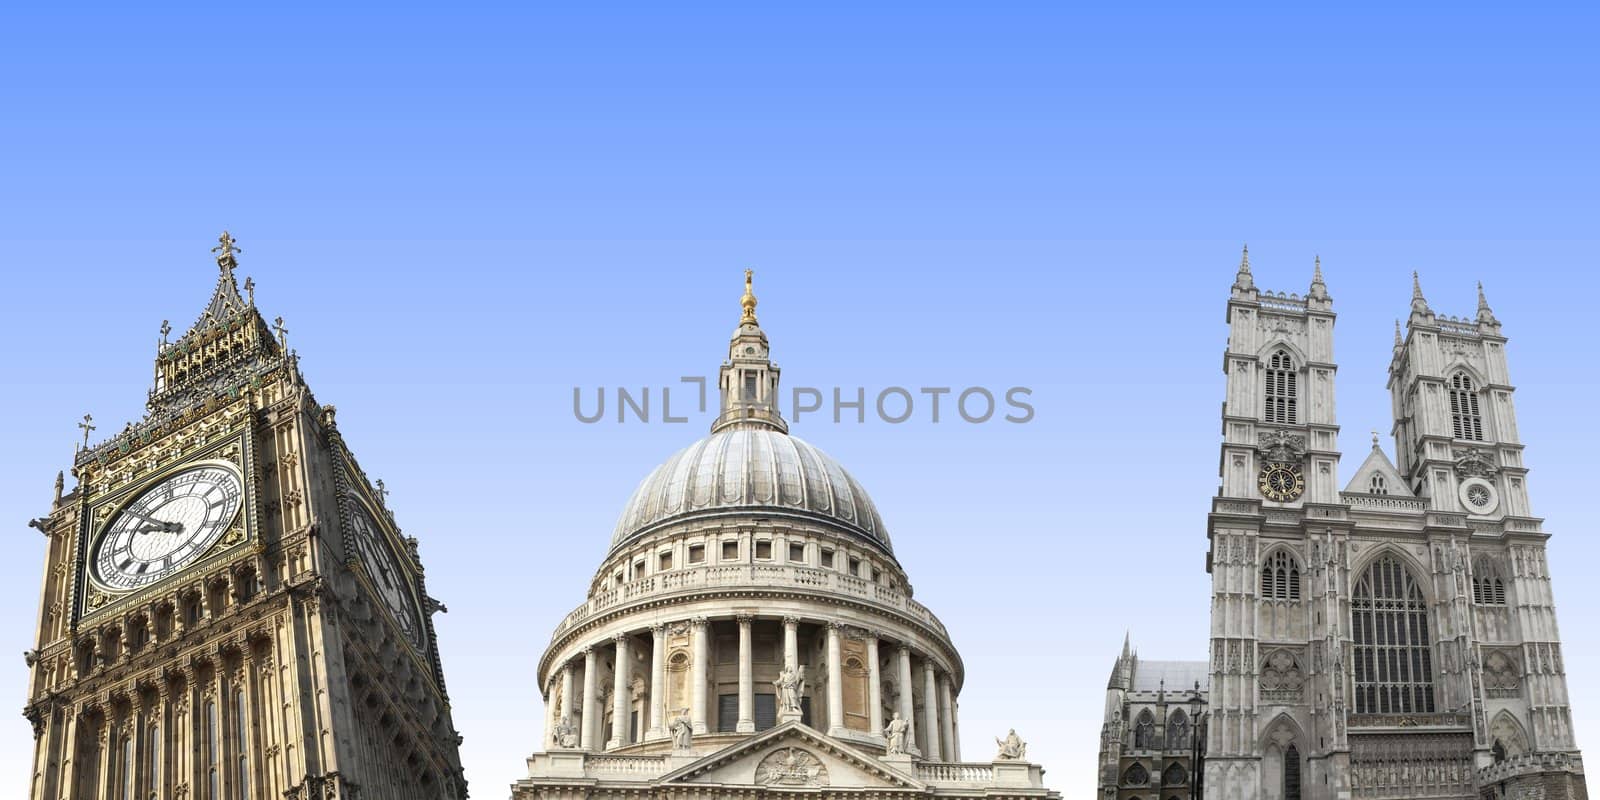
x=226, y=252
x=97, y=599
x=234, y=536
x=748, y=302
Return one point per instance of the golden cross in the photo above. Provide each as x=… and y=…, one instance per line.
x=226, y=251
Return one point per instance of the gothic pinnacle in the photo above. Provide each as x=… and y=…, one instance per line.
x=1397, y=340
x=1485, y=315
x=1419, y=304
x=748, y=302
x=1319, y=289
x=1243, y=282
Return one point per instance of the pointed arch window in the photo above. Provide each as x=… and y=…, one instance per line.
x=1377, y=484
x=1178, y=731
x=1136, y=775
x=1280, y=577
x=1283, y=390
x=1291, y=773
x=1393, y=658
x=1465, y=417
x=1144, y=731
x=1174, y=776
x=1488, y=587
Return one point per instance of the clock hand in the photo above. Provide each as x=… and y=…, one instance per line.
x=163, y=527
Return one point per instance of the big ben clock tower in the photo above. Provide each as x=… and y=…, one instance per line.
x=230, y=610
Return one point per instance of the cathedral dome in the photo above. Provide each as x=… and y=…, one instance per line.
x=745, y=470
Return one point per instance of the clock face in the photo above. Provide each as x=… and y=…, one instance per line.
x=167, y=527
x=1280, y=482
x=386, y=576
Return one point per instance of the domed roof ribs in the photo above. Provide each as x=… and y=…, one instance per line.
x=749, y=379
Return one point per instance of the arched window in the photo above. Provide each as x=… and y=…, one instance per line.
x=1283, y=392
x=1136, y=775
x=1393, y=660
x=241, y=746
x=1178, y=731
x=1377, y=484
x=1144, y=731
x=1488, y=588
x=1280, y=577
x=1174, y=776
x=1291, y=773
x=1465, y=418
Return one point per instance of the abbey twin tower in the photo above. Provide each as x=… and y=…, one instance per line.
x=1391, y=638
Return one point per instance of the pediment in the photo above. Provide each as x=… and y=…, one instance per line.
x=792, y=756
x=1378, y=463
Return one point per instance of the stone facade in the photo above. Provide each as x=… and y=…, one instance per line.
x=1392, y=639
x=267, y=637
x=751, y=634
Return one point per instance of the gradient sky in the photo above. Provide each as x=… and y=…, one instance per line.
x=465, y=212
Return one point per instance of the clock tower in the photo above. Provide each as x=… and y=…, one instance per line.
x=230, y=610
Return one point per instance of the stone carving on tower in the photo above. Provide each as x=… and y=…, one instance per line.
x=1394, y=639
x=229, y=608
x=752, y=592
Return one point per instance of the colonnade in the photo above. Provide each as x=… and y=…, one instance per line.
x=933, y=730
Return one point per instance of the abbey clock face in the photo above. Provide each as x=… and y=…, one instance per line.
x=167, y=527
x=1280, y=482
x=386, y=575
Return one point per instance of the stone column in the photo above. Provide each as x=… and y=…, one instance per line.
x=955, y=726
x=835, y=682
x=107, y=741
x=791, y=642
x=908, y=708
x=930, y=709
x=874, y=686
x=620, y=677
x=658, y=683
x=697, y=679
x=947, y=733
x=591, y=702
x=747, y=688
x=569, y=697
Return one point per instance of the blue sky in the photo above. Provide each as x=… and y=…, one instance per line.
x=465, y=212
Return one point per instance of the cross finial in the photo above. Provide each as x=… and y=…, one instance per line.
x=1374, y=438
x=250, y=288
x=383, y=493
x=87, y=425
x=226, y=250
x=283, y=333
x=748, y=302
x=166, y=328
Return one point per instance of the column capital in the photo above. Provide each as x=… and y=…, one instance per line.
x=790, y=619
x=699, y=622
x=834, y=627
x=659, y=629
x=619, y=638
x=904, y=648
x=588, y=651
x=744, y=619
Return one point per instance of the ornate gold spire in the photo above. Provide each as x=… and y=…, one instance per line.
x=748, y=302
x=225, y=251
